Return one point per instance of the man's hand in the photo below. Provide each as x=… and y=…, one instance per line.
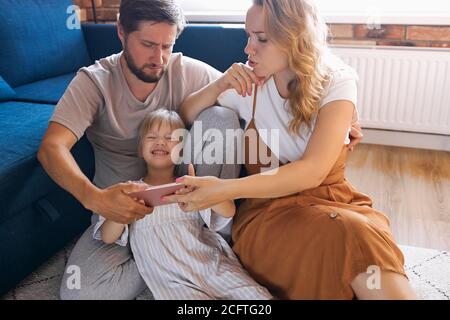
x=356, y=135
x=115, y=204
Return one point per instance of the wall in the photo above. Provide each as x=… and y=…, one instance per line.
x=353, y=34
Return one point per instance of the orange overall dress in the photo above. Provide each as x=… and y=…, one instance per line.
x=312, y=244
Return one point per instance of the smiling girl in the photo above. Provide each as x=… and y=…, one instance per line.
x=176, y=254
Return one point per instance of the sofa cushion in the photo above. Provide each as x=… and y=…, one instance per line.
x=36, y=41
x=44, y=91
x=22, y=126
x=6, y=92
x=22, y=178
x=101, y=40
x=195, y=42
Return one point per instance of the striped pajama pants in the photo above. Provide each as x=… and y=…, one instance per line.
x=181, y=259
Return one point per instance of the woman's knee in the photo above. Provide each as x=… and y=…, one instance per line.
x=355, y=223
x=339, y=226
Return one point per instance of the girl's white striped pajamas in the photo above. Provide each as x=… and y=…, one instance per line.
x=181, y=258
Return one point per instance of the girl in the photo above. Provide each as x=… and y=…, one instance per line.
x=303, y=230
x=177, y=256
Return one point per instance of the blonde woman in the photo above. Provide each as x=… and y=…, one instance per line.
x=303, y=230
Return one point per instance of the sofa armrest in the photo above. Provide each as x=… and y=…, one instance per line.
x=101, y=40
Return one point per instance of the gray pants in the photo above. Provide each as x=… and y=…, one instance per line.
x=109, y=271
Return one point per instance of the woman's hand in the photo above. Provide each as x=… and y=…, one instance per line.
x=206, y=192
x=356, y=135
x=186, y=189
x=239, y=77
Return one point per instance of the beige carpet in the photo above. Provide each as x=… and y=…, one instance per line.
x=428, y=270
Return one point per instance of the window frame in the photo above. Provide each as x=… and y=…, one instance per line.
x=197, y=12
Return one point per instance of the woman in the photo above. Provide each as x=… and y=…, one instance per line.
x=303, y=230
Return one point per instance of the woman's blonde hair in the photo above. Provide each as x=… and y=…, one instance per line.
x=295, y=27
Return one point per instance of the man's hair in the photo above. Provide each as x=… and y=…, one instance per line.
x=133, y=12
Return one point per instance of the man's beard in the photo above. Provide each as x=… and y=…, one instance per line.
x=139, y=72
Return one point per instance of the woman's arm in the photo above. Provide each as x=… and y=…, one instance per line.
x=194, y=104
x=322, y=152
x=111, y=231
x=238, y=76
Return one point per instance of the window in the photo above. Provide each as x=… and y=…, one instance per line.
x=434, y=12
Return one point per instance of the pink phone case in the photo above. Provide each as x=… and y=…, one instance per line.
x=152, y=195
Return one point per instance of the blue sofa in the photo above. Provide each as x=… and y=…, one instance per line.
x=39, y=57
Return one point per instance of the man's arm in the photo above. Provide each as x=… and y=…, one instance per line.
x=113, y=203
x=55, y=156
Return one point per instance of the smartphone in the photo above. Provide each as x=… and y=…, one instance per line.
x=152, y=195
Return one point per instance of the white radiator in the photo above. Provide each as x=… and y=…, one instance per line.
x=402, y=89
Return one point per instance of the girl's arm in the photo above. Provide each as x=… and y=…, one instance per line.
x=226, y=209
x=111, y=231
x=238, y=76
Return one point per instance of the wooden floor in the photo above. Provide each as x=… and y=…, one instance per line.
x=411, y=186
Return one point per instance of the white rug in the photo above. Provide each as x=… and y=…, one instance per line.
x=428, y=270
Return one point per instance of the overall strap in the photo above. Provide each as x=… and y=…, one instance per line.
x=254, y=101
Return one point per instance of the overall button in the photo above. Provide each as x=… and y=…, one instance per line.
x=333, y=215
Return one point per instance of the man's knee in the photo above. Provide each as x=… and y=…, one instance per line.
x=219, y=118
x=101, y=289
x=70, y=290
x=98, y=271
x=78, y=286
x=74, y=294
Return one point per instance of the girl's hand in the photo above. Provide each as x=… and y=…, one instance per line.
x=240, y=77
x=207, y=192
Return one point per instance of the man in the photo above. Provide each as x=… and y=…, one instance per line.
x=107, y=101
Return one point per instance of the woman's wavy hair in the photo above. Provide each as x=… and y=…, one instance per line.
x=297, y=29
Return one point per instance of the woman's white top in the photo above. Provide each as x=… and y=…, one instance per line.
x=272, y=111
